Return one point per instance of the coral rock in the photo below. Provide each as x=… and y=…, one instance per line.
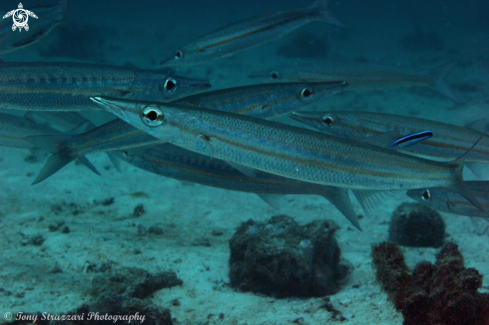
x=439, y=294
x=413, y=224
x=280, y=258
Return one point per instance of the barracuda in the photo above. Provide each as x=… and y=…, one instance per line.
x=42, y=86
x=448, y=201
x=249, y=33
x=118, y=135
x=265, y=100
x=448, y=141
x=364, y=76
x=171, y=161
x=285, y=150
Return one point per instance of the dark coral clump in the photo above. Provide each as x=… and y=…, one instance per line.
x=439, y=294
x=413, y=224
x=280, y=258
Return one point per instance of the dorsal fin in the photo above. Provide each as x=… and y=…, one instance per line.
x=480, y=125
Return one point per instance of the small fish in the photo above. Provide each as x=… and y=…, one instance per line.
x=118, y=135
x=48, y=18
x=448, y=201
x=449, y=141
x=249, y=33
x=411, y=139
x=63, y=86
x=171, y=161
x=365, y=76
x=285, y=150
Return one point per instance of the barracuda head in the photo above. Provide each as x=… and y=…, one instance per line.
x=149, y=117
x=162, y=87
x=321, y=89
x=436, y=197
x=273, y=75
x=327, y=122
x=174, y=59
x=176, y=87
x=127, y=110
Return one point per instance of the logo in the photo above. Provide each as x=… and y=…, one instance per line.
x=20, y=17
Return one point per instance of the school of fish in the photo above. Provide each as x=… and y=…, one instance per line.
x=174, y=126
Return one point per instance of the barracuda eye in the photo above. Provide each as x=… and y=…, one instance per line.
x=274, y=75
x=426, y=195
x=179, y=55
x=170, y=85
x=328, y=121
x=307, y=92
x=152, y=116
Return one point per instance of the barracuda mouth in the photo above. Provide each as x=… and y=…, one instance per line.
x=340, y=85
x=111, y=106
x=334, y=87
x=298, y=116
x=199, y=86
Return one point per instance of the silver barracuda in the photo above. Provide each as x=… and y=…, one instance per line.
x=59, y=86
x=285, y=150
x=249, y=33
x=364, y=76
x=448, y=201
x=172, y=161
x=448, y=141
x=48, y=18
x=266, y=101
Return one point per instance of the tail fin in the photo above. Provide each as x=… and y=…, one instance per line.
x=459, y=185
x=321, y=6
x=58, y=145
x=53, y=164
x=63, y=4
x=438, y=76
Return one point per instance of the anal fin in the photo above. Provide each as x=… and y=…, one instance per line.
x=271, y=199
x=369, y=200
x=340, y=198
